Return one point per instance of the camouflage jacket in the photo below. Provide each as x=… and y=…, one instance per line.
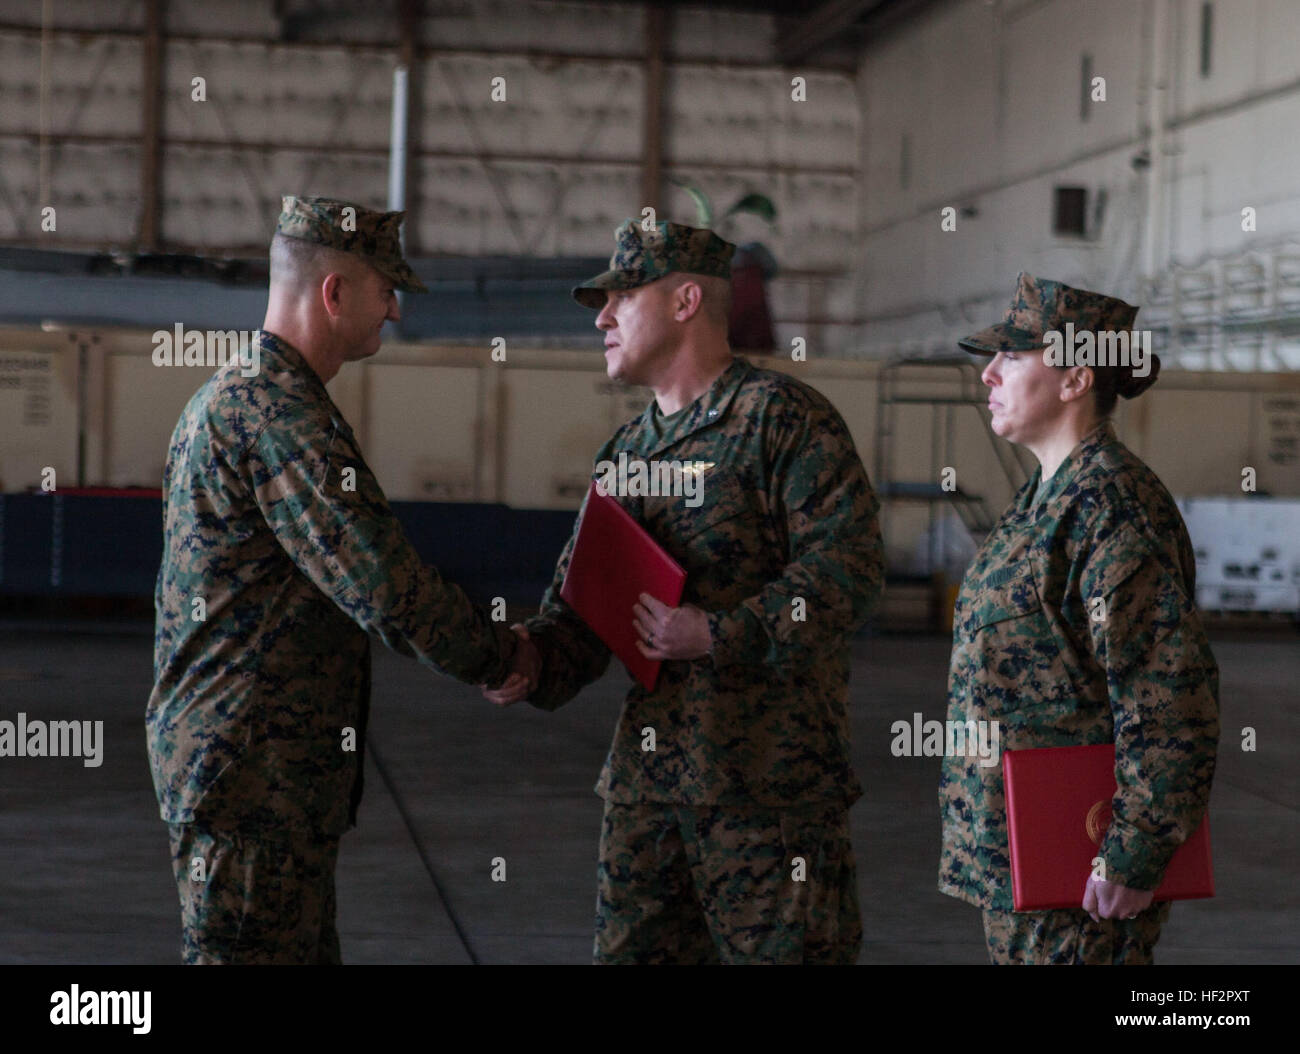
x=784, y=555
x=273, y=520
x=1075, y=625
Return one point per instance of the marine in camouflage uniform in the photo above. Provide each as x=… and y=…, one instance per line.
x=256, y=724
x=1028, y=654
x=729, y=840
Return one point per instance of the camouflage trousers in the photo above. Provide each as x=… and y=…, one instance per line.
x=264, y=899
x=749, y=884
x=1064, y=938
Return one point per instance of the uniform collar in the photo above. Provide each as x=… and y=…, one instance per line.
x=1066, y=472
x=707, y=410
x=293, y=360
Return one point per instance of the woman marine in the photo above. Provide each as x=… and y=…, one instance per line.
x=1076, y=625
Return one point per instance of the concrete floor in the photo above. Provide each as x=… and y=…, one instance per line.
x=453, y=782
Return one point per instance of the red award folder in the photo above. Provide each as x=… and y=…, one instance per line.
x=1058, y=809
x=614, y=561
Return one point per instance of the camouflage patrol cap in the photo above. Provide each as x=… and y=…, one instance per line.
x=642, y=256
x=351, y=229
x=1040, y=306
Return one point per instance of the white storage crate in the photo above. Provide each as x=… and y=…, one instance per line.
x=1247, y=552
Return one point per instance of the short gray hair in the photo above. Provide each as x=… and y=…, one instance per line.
x=296, y=261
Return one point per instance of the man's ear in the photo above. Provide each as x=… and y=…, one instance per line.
x=331, y=294
x=687, y=298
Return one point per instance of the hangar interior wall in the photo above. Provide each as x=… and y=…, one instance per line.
x=859, y=172
x=550, y=169
x=443, y=423
x=1188, y=135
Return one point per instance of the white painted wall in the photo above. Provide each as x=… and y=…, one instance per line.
x=989, y=96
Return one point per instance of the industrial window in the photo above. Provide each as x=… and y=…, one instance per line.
x=1069, y=217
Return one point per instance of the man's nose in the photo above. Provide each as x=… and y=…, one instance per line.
x=605, y=318
x=990, y=374
x=394, y=308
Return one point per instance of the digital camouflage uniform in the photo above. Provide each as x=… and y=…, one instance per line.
x=256, y=723
x=750, y=779
x=1029, y=654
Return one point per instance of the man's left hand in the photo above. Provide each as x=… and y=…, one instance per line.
x=1110, y=900
x=670, y=633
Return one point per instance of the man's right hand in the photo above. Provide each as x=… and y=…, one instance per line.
x=526, y=671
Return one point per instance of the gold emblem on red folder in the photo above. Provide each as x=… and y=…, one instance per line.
x=1098, y=820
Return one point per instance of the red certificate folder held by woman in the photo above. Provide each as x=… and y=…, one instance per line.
x=614, y=561
x=1058, y=809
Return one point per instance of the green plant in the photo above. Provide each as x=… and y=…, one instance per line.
x=759, y=205
x=755, y=204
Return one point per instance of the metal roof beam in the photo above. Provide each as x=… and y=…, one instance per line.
x=826, y=22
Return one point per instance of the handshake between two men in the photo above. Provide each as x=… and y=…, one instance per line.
x=663, y=633
x=300, y=572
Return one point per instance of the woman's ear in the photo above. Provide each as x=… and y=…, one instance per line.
x=1077, y=383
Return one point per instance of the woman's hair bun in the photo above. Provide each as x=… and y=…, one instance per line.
x=1130, y=387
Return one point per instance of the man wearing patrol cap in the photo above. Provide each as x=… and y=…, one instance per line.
x=641, y=257
x=280, y=557
x=1076, y=625
x=725, y=835
x=372, y=236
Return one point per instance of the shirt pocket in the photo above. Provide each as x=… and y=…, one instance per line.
x=1003, y=595
x=721, y=497
x=722, y=540
x=1010, y=652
